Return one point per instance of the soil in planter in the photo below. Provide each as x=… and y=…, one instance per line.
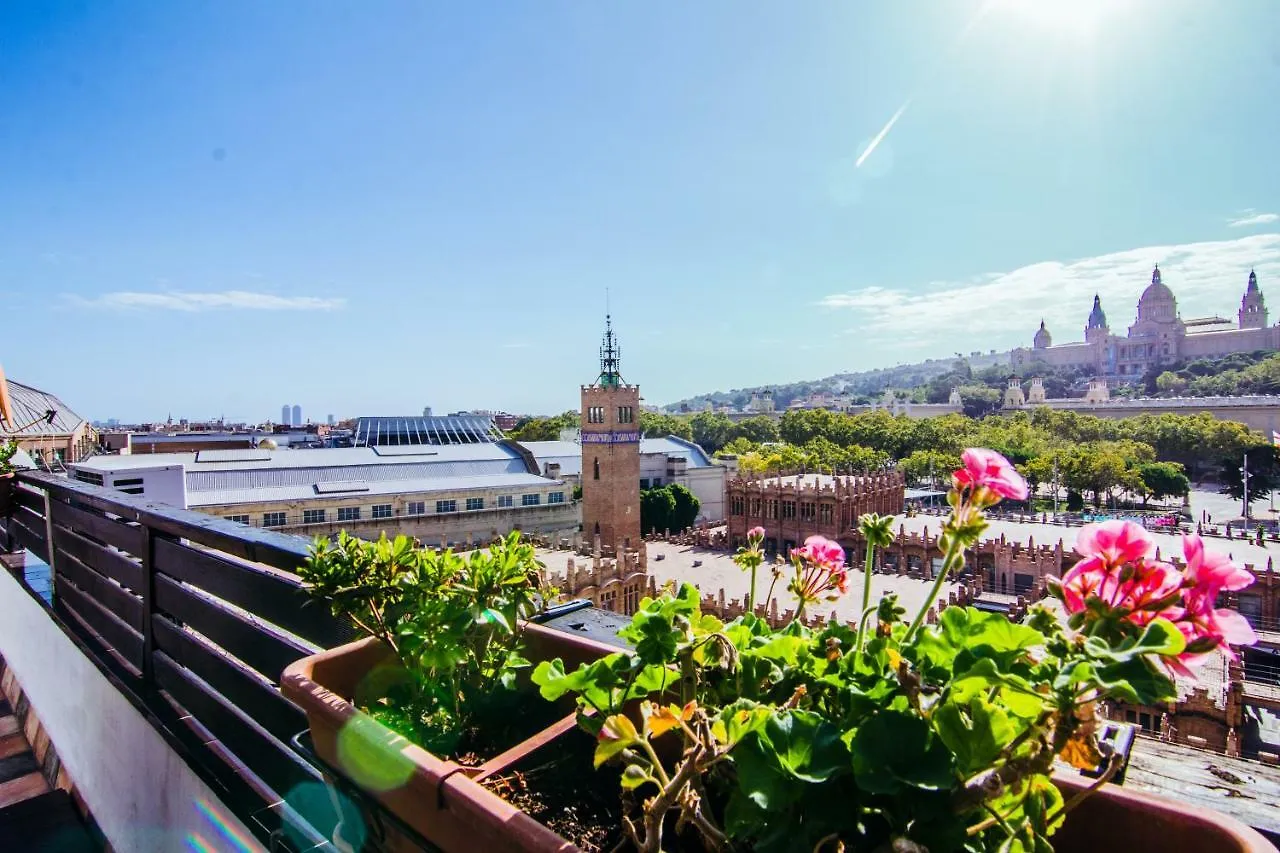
x=558, y=787
x=515, y=716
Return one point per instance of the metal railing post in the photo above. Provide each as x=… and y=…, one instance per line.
x=148, y=556
x=48, y=538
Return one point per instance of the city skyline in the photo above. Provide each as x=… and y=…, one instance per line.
x=426, y=204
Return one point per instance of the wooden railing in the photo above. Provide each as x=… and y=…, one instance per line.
x=193, y=618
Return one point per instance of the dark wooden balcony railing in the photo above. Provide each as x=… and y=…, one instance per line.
x=193, y=618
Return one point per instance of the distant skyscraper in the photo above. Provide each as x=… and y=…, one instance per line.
x=297, y=416
x=330, y=420
x=284, y=414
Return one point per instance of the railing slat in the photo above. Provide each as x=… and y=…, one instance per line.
x=30, y=499
x=103, y=560
x=252, y=643
x=267, y=758
x=278, y=599
x=239, y=686
x=122, y=638
x=259, y=546
x=23, y=527
x=114, y=599
x=117, y=533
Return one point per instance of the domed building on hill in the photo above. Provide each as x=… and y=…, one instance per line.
x=1158, y=335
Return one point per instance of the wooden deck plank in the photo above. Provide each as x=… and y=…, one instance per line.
x=1245, y=790
x=23, y=788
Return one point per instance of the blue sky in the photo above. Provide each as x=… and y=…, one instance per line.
x=365, y=208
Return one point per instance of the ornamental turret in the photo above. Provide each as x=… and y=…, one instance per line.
x=1096, y=329
x=1253, y=310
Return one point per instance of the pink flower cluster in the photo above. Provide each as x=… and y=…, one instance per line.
x=820, y=569
x=755, y=534
x=1119, y=571
x=990, y=476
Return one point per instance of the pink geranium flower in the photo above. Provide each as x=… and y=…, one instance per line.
x=756, y=534
x=821, y=551
x=1114, y=542
x=986, y=469
x=1211, y=573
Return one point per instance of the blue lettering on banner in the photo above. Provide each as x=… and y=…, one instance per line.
x=610, y=437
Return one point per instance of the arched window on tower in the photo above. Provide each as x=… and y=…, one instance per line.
x=597, y=468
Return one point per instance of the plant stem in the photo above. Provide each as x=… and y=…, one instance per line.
x=866, y=589
x=955, y=551
x=751, y=594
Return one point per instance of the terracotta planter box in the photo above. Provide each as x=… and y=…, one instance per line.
x=1119, y=818
x=446, y=804
x=441, y=800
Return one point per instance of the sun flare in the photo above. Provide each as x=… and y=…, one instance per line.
x=1068, y=17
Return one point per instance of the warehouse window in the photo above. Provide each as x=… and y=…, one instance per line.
x=475, y=503
x=446, y=506
x=348, y=513
x=273, y=519
x=313, y=516
x=530, y=500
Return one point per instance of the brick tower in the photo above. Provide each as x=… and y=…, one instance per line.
x=611, y=453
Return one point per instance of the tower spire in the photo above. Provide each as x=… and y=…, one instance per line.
x=610, y=356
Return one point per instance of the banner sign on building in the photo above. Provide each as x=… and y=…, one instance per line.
x=610, y=437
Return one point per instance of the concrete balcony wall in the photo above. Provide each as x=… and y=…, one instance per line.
x=143, y=796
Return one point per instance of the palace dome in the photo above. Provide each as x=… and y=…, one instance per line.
x=1097, y=319
x=1157, y=291
x=1043, y=339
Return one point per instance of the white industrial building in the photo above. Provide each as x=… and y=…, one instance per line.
x=440, y=493
x=662, y=461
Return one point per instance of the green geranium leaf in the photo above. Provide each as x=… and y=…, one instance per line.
x=975, y=734
x=1136, y=680
x=982, y=635
x=617, y=733
x=895, y=749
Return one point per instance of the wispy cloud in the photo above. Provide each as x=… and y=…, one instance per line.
x=227, y=299
x=1004, y=309
x=1248, y=218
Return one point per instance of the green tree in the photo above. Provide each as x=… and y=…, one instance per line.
x=711, y=431
x=657, y=506
x=978, y=400
x=544, y=429
x=685, y=506
x=1170, y=383
x=1264, y=473
x=657, y=425
x=759, y=429
x=1163, y=480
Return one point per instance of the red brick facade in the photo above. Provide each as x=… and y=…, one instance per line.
x=610, y=420
x=791, y=509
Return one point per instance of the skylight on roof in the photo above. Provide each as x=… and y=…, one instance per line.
x=337, y=488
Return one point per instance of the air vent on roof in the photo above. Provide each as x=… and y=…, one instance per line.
x=403, y=450
x=232, y=456
x=337, y=488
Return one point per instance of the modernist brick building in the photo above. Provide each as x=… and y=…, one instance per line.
x=611, y=453
x=791, y=509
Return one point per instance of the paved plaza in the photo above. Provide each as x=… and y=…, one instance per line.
x=717, y=571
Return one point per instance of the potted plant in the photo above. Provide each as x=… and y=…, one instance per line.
x=7, y=480
x=431, y=703
x=900, y=735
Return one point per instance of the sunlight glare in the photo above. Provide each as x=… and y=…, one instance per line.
x=1070, y=17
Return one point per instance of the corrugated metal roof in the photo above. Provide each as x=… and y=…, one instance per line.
x=569, y=453
x=426, y=485
x=253, y=476
x=426, y=430
x=30, y=404
x=324, y=457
